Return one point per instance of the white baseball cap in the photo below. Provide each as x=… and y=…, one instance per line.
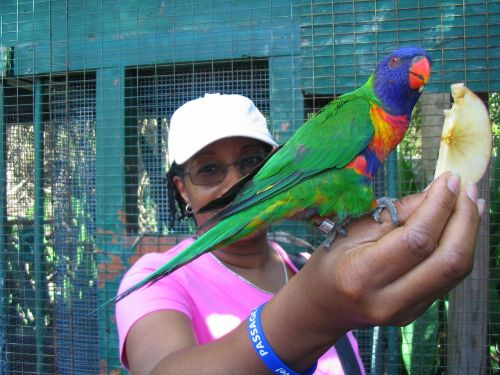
x=202, y=121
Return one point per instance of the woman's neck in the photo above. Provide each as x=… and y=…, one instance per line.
x=254, y=260
x=250, y=252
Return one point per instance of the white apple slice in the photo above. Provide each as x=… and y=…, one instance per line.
x=466, y=140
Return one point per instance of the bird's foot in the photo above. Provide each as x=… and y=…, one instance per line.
x=387, y=203
x=332, y=230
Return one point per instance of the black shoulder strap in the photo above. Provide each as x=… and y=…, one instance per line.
x=347, y=357
x=343, y=346
x=298, y=260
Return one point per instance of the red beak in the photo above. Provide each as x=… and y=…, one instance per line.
x=420, y=71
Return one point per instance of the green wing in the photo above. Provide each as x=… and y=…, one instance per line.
x=330, y=139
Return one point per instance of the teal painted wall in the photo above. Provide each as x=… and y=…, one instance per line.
x=338, y=43
x=96, y=34
x=463, y=38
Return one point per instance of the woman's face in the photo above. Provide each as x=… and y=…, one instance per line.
x=215, y=169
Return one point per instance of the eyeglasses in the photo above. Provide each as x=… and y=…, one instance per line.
x=212, y=173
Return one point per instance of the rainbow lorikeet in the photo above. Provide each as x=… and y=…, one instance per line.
x=325, y=169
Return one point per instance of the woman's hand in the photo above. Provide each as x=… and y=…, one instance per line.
x=385, y=275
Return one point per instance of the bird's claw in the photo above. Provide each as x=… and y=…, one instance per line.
x=387, y=203
x=332, y=230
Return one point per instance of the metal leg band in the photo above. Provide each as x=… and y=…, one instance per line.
x=327, y=226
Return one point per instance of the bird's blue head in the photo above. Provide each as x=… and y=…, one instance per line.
x=400, y=79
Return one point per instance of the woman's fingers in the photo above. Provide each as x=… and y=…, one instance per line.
x=451, y=261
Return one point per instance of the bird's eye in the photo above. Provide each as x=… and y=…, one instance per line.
x=394, y=62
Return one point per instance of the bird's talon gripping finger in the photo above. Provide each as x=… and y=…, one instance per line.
x=332, y=230
x=327, y=243
x=388, y=203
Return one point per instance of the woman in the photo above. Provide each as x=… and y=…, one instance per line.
x=200, y=319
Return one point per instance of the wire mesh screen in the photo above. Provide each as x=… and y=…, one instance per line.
x=19, y=305
x=50, y=271
x=87, y=93
x=70, y=175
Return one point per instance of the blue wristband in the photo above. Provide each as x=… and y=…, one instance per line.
x=264, y=350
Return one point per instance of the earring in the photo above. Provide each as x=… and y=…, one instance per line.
x=188, y=209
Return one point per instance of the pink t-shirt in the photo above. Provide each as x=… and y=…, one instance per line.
x=214, y=298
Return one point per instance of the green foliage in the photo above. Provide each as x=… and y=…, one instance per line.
x=420, y=342
x=411, y=145
x=409, y=176
x=494, y=107
x=410, y=156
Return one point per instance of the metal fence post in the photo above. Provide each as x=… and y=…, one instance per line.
x=110, y=205
x=39, y=226
x=3, y=218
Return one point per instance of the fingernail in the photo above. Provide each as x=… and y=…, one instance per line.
x=481, y=204
x=471, y=191
x=454, y=183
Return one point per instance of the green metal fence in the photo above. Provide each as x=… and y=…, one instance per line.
x=87, y=91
